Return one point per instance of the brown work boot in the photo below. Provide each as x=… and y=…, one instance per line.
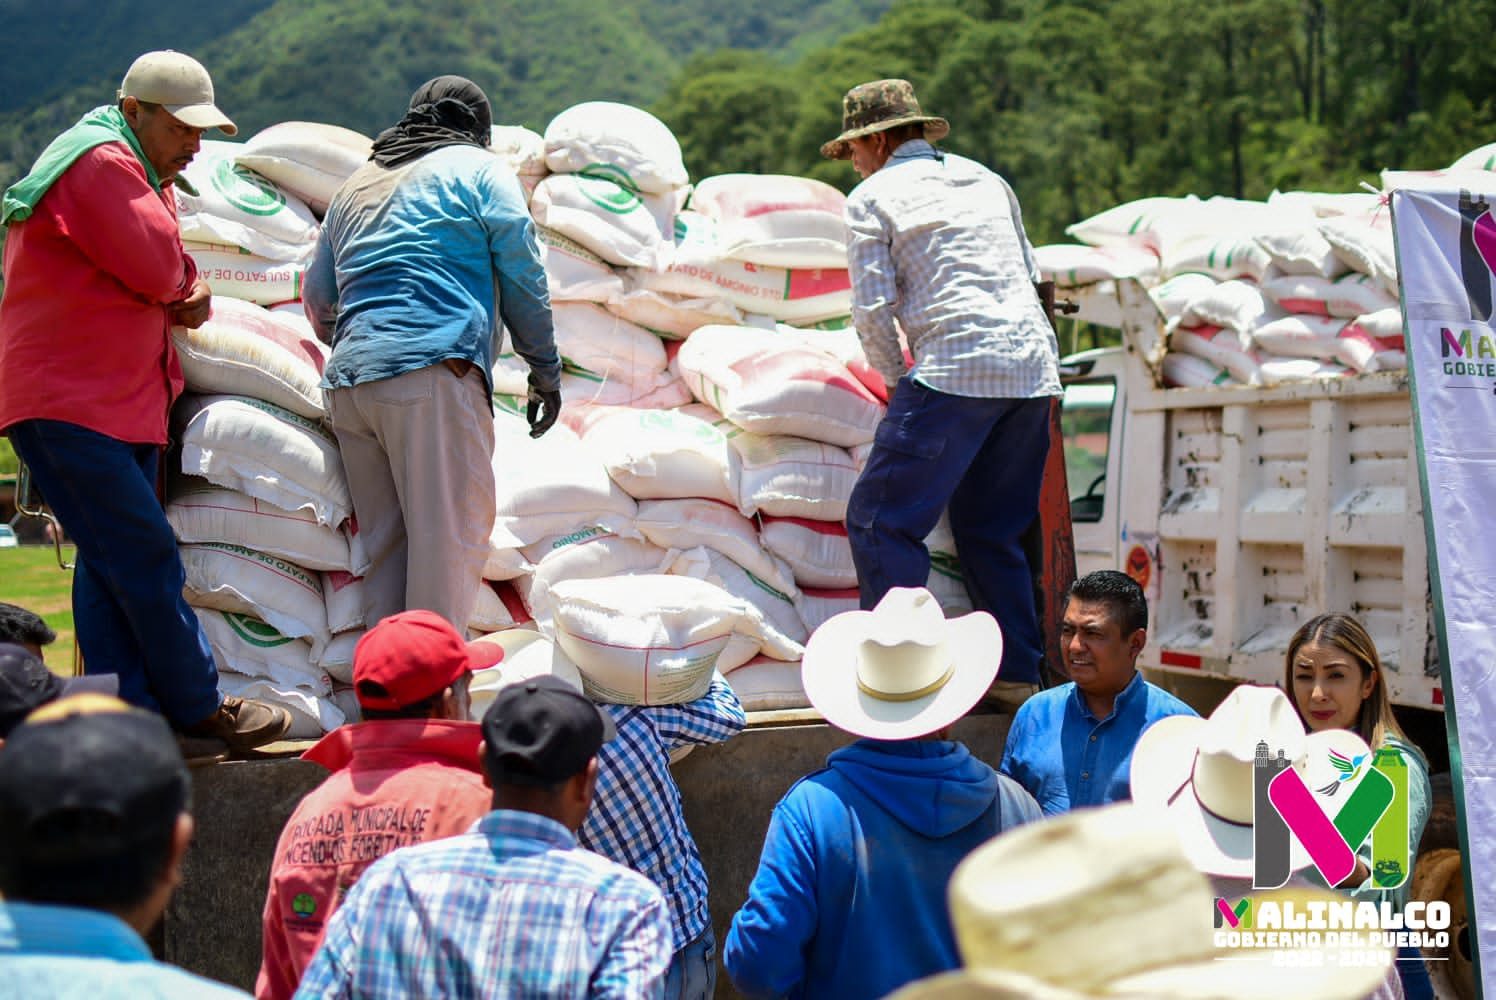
x=243, y=723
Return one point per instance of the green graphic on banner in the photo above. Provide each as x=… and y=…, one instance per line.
x=1389, y=841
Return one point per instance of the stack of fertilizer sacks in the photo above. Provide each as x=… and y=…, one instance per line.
x=1300, y=286
x=686, y=514
x=689, y=510
x=258, y=498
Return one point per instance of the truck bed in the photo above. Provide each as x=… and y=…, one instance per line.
x=1251, y=509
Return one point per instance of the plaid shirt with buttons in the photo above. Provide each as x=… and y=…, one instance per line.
x=936, y=248
x=513, y=908
x=636, y=817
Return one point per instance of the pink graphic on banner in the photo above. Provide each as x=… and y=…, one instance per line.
x=1295, y=803
x=1232, y=920
x=1485, y=239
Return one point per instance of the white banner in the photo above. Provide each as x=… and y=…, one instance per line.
x=1446, y=253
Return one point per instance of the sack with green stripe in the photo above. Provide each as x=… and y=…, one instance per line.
x=237, y=206
x=233, y=578
x=597, y=209
x=245, y=645
x=266, y=452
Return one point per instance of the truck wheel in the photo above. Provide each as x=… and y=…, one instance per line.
x=1439, y=875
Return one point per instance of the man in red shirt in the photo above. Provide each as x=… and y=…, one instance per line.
x=95, y=277
x=408, y=774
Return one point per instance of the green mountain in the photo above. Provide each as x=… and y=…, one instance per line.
x=355, y=62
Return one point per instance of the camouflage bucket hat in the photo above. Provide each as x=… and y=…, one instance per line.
x=882, y=104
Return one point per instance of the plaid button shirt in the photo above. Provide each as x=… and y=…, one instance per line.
x=937, y=248
x=636, y=817
x=511, y=909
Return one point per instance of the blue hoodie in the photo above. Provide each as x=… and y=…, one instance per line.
x=849, y=900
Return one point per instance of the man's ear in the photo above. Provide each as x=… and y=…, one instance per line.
x=130, y=108
x=1136, y=642
x=588, y=785
x=181, y=839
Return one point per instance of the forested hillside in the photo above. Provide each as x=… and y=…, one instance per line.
x=1081, y=104
x=355, y=62
x=1085, y=105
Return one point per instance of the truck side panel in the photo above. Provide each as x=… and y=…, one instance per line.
x=1248, y=510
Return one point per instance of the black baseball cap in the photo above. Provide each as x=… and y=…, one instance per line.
x=26, y=685
x=88, y=786
x=542, y=732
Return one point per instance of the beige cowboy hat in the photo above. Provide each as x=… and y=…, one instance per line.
x=1200, y=771
x=902, y=669
x=527, y=654
x=1104, y=903
x=881, y=104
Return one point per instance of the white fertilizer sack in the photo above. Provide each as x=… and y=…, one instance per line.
x=309, y=160
x=233, y=578
x=776, y=219
x=267, y=452
x=244, y=350
x=634, y=142
x=647, y=640
x=237, y=206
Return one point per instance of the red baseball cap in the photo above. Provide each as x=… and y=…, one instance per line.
x=411, y=656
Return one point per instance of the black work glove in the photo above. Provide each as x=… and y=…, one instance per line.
x=541, y=409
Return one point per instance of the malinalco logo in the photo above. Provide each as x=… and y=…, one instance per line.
x=1366, y=801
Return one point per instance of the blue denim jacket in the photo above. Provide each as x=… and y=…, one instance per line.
x=414, y=262
x=1067, y=758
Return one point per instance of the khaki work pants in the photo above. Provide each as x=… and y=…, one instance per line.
x=418, y=452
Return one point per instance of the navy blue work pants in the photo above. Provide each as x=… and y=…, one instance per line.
x=982, y=458
x=128, y=609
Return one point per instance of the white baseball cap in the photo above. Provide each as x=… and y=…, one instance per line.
x=178, y=83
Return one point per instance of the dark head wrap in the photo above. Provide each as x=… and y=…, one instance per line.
x=446, y=111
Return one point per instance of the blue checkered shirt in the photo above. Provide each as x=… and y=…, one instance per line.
x=511, y=909
x=636, y=817
x=936, y=248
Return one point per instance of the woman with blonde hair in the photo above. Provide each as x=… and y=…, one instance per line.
x=1334, y=677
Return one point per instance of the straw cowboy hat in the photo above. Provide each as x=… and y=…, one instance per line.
x=900, y=670
x=527, y=654
x=1103, y=903
x=882, y=104
x=1201, y=772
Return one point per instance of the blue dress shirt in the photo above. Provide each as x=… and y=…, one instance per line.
x=1068, y=758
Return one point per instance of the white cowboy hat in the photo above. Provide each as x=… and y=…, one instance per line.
x=1104, y=903
x=1201, y=772
x=902, y=669
x=983, y=984
x=527, y=654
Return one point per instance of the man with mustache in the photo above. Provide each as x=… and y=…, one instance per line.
x=95, y=278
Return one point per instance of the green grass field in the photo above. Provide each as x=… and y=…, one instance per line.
x=29, y=577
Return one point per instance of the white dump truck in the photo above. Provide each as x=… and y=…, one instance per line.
x=1246, y=510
